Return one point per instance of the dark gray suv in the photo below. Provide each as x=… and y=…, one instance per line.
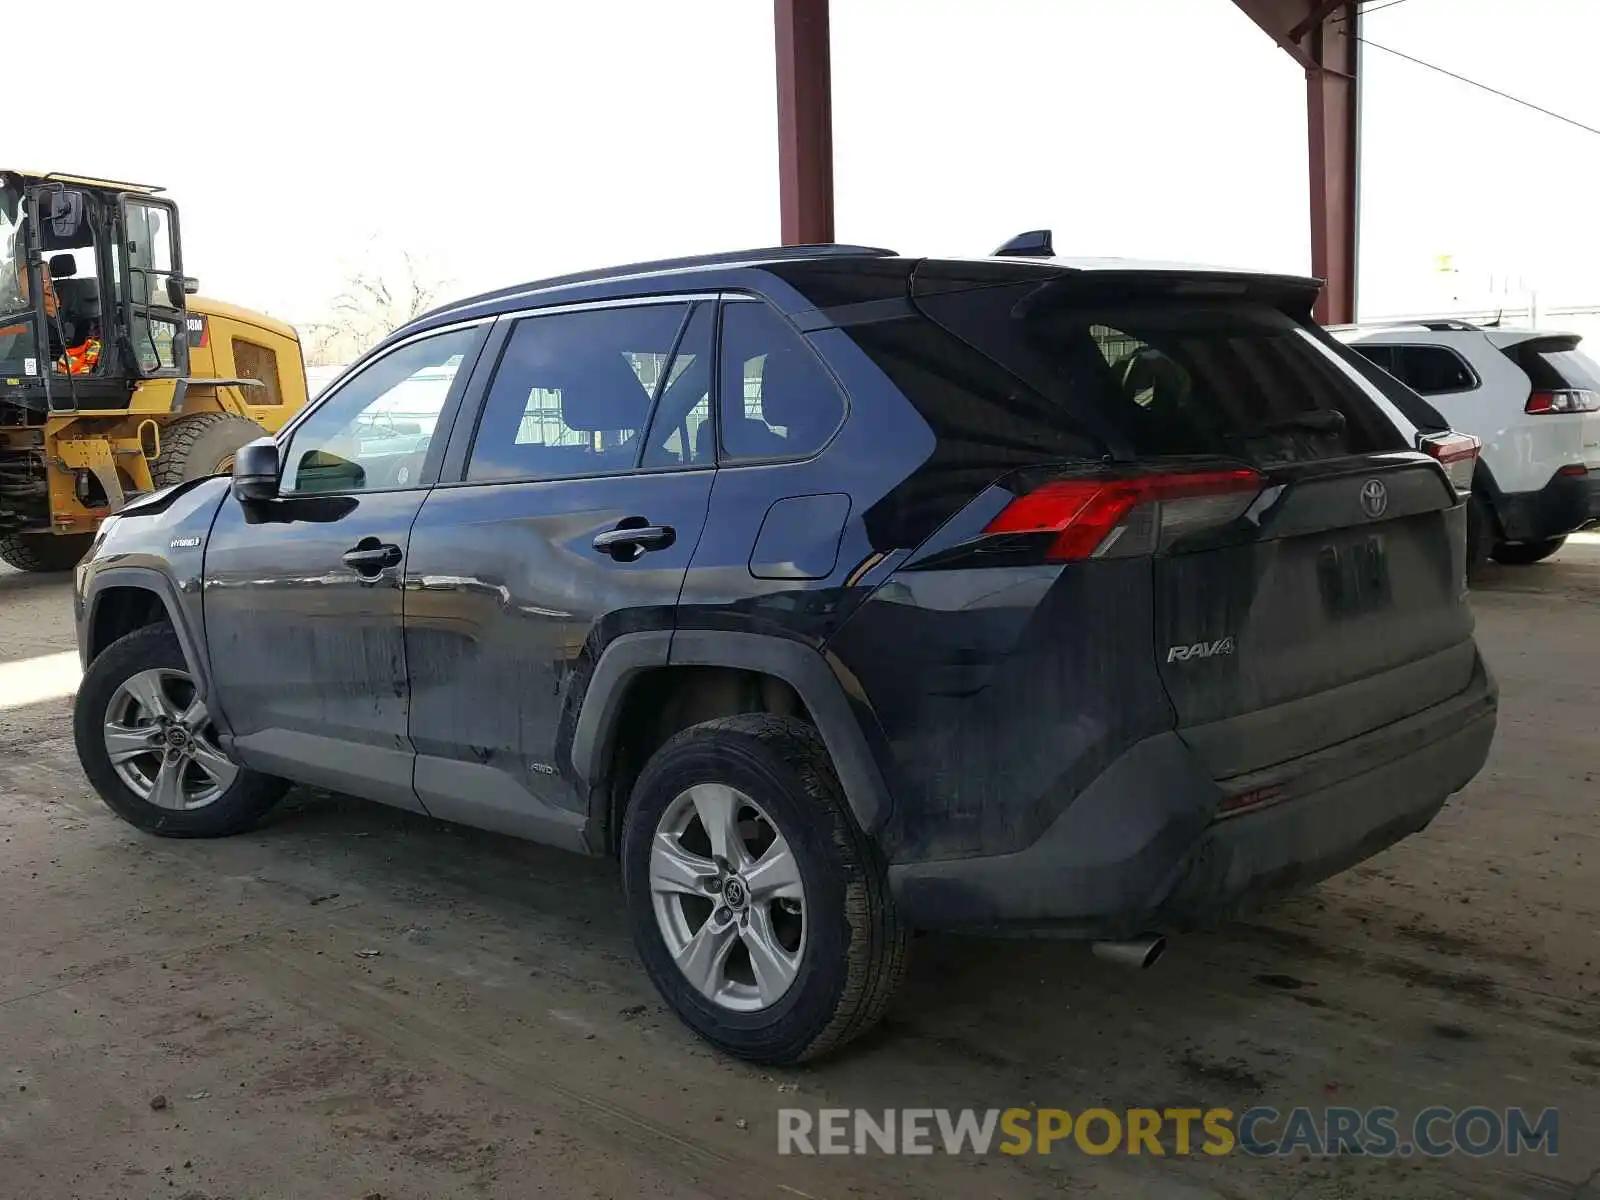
x=835, y=593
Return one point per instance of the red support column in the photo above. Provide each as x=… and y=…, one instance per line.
x=1320, y=35
x=805, y=121
x=1332, y=110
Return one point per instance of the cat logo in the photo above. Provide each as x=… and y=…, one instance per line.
x=1200, y=650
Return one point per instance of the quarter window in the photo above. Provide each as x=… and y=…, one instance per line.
x=573, y=392
x=774, y=399
x=1429, y=370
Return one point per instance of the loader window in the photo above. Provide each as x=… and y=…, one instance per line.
x=152, y=258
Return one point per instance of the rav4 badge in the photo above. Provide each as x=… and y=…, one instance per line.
x=1200, y=650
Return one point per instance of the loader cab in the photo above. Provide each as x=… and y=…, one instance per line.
x=92, y=291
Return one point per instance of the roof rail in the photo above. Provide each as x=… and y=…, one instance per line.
x=722, y=258
x=1435, y=324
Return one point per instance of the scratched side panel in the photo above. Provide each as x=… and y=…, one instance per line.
x=1002, y=692
x=308, y=661
x=507, y=603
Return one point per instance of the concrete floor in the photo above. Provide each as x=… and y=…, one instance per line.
x=351, y=1002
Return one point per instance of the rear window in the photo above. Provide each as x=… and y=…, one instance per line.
x=1553, y=364
x=1168, y=376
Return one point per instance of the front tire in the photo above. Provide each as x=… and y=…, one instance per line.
x=44, y=551
x=1522, y=554
x=761, y=911
x=149, y=746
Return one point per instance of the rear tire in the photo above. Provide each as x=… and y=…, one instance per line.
x=201, y=445
x=44, y=551
x=102, y=713
x=1522, y=554
x=852, y=947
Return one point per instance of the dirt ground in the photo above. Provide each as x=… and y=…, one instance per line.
x=353, y=1003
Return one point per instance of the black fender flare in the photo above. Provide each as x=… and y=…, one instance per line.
x=149, y=580
x=800, y=666
x=1484, y=484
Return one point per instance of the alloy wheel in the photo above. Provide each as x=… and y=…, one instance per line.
x=162, y=743
x=728, y=897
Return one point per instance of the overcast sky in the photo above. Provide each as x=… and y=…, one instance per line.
x=506, y=141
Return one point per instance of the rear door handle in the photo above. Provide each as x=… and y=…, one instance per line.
x=370, y=557
x=627, y=542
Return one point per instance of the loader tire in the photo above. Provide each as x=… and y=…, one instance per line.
x=201, y=445
x=44, y=551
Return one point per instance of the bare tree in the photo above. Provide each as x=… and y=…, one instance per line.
x=373, y=303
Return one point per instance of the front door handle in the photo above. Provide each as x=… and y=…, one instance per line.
x=628, y=541
x=372, y=557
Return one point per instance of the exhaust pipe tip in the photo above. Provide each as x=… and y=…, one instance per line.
x=1140, y=953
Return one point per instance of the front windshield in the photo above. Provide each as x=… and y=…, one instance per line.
x=18, y=353
x=12, y=293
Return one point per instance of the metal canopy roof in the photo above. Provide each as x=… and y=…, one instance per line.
x=111, y=185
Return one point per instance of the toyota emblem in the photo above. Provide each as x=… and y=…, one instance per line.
x=1374, y=498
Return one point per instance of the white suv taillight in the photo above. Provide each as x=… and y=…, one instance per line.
x=1564, y=400
x=1457, y=453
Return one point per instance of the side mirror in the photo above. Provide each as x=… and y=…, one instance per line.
x=179, y=286
x=255, y=471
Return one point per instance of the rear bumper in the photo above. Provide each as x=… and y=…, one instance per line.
x=1566, y=503
x=1142, y=850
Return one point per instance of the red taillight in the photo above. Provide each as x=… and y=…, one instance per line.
x=1564, y=400
x=1457, y=454
x=1091, y=516
x=1573, y=469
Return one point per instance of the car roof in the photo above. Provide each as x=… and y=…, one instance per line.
x=724, y=270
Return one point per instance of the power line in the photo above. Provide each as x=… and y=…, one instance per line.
x=1481, y=86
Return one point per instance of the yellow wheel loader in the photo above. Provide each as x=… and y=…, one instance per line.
x=115, y=377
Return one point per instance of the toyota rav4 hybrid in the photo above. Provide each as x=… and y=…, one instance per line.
x=1533, y=398
x=835, y=594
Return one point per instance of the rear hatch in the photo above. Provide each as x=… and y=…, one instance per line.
x=1306, y=565
x=1565, y=394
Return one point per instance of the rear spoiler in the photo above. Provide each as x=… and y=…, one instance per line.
x=1291, y=294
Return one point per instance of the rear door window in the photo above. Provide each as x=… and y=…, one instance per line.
x=573, y=392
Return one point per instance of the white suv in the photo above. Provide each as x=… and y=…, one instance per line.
x=1533, y=399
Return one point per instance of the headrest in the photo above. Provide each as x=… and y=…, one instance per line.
x=796, y=397
x=603, y=393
